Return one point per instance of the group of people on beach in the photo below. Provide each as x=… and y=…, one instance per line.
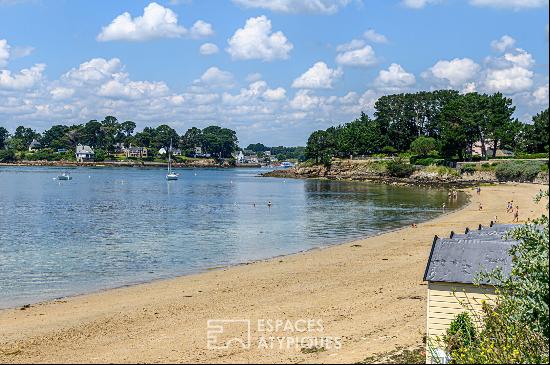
x=452, y=194
x=510, y=209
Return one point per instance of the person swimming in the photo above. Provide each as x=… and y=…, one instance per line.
x=269, y=204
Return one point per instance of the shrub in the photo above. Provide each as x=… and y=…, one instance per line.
x=442, y=170
x=518, y=170
x=531, y=155
x=461, y=332
x=389, y=150
x=423, y=145
x=7, y=156
x=398, y=168
x=468, y=169
x=426, y=160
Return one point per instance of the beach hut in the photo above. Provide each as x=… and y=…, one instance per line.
x=454, y=282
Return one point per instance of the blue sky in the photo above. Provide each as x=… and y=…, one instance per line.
x=274, y=70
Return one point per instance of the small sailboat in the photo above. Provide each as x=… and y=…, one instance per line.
x=171, y=174
x=64, y=177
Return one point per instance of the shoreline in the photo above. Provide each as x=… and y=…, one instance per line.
x=116, y=325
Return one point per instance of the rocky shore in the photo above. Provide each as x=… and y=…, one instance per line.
x=361, y=170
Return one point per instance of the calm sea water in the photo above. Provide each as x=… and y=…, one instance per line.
x=113, y=227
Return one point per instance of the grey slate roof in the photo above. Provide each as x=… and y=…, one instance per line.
x=462, y=258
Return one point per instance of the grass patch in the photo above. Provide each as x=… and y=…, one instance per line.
x=442, y=170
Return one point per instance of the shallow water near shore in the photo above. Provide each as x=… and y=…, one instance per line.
x=110, y=227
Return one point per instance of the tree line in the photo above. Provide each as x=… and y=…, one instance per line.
x=445, y=122
x=109, y=133
x=281, y=152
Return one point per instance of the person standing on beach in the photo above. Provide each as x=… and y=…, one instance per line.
x=478, y=190
x=516, y=215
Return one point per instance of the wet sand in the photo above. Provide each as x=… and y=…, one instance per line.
x=368, y=295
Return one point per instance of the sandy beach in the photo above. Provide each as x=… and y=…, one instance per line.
x=367, y=294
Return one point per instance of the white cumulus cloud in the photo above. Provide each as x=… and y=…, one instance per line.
x=201, y=29
x=364, y=57
x=395, y=78
x=512, y=4
x=541, y=95
x=94, y=70
x=216, y=78
x=296, y=6
x=319, y=76
x=456, y=72
x=25, y=79
x=62, y=93
x=520, y=58
x=157, y=21
x=509, y=80
x=418, y=4
x=375, y=37
x=208, y=49
x=256, y=40
x=505, y=42
x=4, y=52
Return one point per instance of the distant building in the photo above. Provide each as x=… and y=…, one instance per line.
x=62, y=150
x=240, y=157
x=136, y=152
x=454, y=266
x=35, y=145
x=84, y=153
x=162, y=151
x=477, y=150
x=198, y=151
x=176, y=152
x=119, y=147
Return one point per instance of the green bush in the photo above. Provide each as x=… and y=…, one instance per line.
x=389, y=150
x=531, y=155
x=7, y=156
x=468, y=169
x=518, y=170
x=461, y=332
x=424, y=145
x=100, y=155
x=442, y=170
x=429, y=161
x=486, y=166
x=398, y=168
x=425, y=160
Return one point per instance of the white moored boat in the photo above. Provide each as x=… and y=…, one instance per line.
x=171, y=174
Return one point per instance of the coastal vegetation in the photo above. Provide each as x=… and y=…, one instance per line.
x=435, y=127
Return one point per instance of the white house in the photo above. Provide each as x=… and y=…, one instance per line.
x=35, y=145
x=84, y=153
x=240, y=157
